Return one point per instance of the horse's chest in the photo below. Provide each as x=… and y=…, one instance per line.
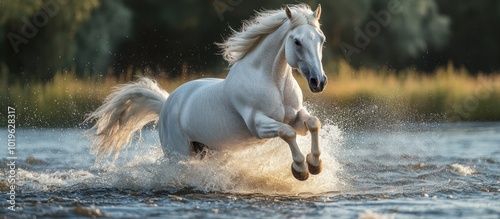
x=285, y=113
x=291, y=105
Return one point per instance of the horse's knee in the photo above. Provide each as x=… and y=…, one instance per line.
x=286, y=132
x=313, y=124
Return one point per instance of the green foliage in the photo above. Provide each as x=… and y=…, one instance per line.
x=48, y=49
x=416, y=30
x=100, y=36
x=15, y=10
x=474, y=39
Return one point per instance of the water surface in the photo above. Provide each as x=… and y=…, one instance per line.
x=401, y=171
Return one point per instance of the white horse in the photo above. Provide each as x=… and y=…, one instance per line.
x=259, y=99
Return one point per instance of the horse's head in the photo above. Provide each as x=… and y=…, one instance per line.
x=303, y=49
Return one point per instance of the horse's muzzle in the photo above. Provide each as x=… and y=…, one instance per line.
x=317, y=85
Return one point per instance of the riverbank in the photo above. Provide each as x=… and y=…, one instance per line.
x=353, y=97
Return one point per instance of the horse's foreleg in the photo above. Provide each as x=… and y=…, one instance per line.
x=312, y=124
x=266, y=127
x=299, y=169
x=313, y=161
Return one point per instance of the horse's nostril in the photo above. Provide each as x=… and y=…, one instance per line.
x=313, y=82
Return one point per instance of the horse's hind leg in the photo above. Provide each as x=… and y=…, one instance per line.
x=312, y=124
x=199, y=149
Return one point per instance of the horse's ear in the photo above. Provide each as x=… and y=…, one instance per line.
x=288, y=12
x=317, y=13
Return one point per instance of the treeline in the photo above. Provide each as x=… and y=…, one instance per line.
x=98, y=37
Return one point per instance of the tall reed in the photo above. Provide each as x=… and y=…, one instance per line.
x=353, y=96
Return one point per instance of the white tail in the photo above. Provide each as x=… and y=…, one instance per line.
x=124, y=112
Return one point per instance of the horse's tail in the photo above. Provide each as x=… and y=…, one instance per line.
x=125, y=111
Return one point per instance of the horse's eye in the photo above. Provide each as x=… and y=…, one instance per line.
x=297, y=42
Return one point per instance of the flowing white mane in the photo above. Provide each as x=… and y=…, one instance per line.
x=264, y=23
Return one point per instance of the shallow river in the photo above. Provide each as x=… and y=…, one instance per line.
x=402, y=171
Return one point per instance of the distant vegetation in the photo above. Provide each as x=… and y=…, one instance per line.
x=368, y=98
x=59, y=59
x=353, y=98
x=41, y=37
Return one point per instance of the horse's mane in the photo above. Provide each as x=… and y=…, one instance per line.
x=265, y=22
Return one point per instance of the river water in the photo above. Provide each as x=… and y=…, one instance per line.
x=401, y=171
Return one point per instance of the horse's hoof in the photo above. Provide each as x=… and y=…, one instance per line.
x=300, y=175
x=313, y=168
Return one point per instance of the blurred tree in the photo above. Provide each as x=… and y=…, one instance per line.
x=403, y=35
x=15, y=10
x=414, y=30
x=12, y=10
x=47, y=35
x=2, y=33
x=474, y=43
x=172, y=37
x=98, y=37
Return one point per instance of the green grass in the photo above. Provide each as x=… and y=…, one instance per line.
x=353, y=96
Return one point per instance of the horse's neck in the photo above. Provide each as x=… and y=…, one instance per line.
x=269, y=56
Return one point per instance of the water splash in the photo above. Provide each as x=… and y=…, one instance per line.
x=368, y=214
x=463, y=169
x=261, y=169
